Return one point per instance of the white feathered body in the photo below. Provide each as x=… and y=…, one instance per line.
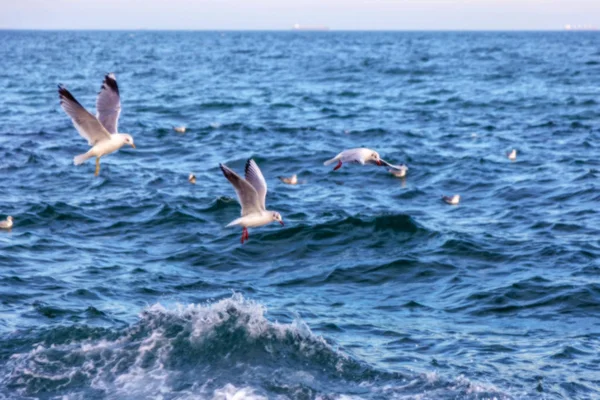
x=360, y=155
x=102, y=148
x=6, y=224
x=253, y=220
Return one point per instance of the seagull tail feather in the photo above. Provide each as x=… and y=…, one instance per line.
x=334, y=159
x=234, y=222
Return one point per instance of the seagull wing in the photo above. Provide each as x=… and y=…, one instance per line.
x=86, y=124
x=247, y=195
x=397, y=167
x=257, y=180
x=108, y=104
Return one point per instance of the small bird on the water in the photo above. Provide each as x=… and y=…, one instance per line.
x=399, y=172
x=101, y=130
x=360, y=156
x=192, y=179
x=179, y=129
x=512, y=155
x=454, y=200
x=252, y=193
x=292, y=180
x=7, y=223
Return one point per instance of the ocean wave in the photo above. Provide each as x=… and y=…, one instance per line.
x=533, y=296
x=219, y=350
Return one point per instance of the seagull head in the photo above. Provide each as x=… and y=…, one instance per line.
x=9, y=218
x=374, y=157
x=128, y=139
x=277, y=217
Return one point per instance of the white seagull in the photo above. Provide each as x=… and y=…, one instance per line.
x=292, y=180
x=251, y=193
x=101, y=130
x=192, y=179
x=398, y=171
x=360, y=156
x=7, y=223
x=512, y=155
x=454, y=200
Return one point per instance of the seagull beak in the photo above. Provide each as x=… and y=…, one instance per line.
x=133, y=145
x=281, y=222
x=379, y=162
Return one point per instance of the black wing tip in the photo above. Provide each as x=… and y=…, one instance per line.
x=110, y=81
x=224, y=169
x=248, y=164
x=63, y=94
x=229, y=174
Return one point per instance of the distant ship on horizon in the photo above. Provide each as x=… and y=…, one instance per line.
x=298, y=27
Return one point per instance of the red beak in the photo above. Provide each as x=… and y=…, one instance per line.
x=379, y=162
x=281, y=222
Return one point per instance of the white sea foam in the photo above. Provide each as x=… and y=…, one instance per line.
x=138, y=362
x=224, y=350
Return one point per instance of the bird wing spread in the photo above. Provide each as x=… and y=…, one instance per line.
x=247, y=195
x=108, y=104
x=86, y=124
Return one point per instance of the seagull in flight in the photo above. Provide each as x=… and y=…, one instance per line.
x=101, y=130
x=251, y=193
x=360, y=156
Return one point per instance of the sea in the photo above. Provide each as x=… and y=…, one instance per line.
x=129, y=285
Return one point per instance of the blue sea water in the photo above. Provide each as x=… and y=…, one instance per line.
x=129, y=285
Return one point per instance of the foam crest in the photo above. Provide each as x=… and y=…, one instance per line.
x=223, y=350
x=171, y=350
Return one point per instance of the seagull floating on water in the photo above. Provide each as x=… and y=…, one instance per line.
x=251, y=193
x=454, y=200
x=179, y=129
x=512, y=155
x=101, y=130
x=7, y=223
x=292, y=180
x=360, y=156
x=192, y=179
x=399, y=171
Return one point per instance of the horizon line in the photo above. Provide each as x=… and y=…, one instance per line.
x=294, y=30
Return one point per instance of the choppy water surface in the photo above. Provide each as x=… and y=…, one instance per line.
x=129, y=286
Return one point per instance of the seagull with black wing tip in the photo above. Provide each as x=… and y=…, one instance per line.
x=360, y=156
x=100, y=130
x=252, y=193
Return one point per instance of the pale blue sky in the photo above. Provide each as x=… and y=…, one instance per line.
x=282, y=14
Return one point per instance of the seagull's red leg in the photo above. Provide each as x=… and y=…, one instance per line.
x=338, y=166
x=245, y=235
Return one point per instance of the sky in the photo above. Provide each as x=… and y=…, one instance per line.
x=283, y=14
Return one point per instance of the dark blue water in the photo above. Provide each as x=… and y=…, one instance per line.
x=129, y=286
